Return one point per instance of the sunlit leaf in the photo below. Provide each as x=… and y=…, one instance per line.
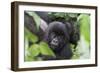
x=32, y=37
x=45, y=50
x=84, y=21
x=34, y=50
x=28, y=58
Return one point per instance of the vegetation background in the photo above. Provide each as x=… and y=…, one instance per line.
x=80, y=20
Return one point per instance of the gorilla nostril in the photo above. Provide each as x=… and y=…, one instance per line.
x=54, y=42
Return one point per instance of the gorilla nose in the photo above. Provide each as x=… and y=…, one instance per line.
x=54, y=42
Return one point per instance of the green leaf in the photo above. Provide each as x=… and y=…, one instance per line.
x=31, y=37
x=34, y=50
x=28, y=58
x=84, y=21
x=45, y=50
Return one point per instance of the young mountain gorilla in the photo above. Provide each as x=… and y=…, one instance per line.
x=59, y=35
x=58, y=38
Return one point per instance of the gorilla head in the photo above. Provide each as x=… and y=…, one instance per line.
x=57, y=35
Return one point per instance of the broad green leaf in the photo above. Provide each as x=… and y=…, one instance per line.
x=84, y=21
x=45, y=50
x=31, y=37
x=28, y=58
x=36, y=18
x=34, y=50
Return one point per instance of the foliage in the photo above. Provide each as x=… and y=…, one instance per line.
x=84, y=21
x=81, y=21
x=31, y=37
x=34, y=50
x=63, y=16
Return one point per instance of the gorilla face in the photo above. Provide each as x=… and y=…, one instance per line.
x=56, y=40
x=57, y=35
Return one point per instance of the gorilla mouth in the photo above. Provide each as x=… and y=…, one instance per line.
x=54, y=43
x=53, y=46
